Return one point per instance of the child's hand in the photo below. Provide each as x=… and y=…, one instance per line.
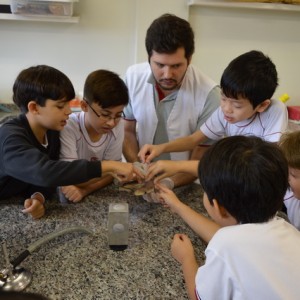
x=148, y=152
x=161, y=169
x=124, y=172
x=140, y=170
x=182, y=248
x=154, y=196
x=34, y=207
x=73, y=193
x=167, y=197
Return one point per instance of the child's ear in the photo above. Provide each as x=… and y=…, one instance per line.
x=224, y=217
x=83, y=105
x=32, y=107
x=263, y=106
x=220, y=210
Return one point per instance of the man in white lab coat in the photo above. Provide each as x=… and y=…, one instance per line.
x=169, y=97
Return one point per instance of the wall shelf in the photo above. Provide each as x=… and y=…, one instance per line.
x=7, y=6
x=246, y=5
x=16, y=17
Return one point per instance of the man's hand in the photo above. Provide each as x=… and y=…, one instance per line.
x=148, y=152
x=34, y=207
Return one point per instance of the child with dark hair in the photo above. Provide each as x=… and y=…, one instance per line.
x=30, y=146
x=244, y=181
x=290, y=146
x=248, y=84
x=97, y=132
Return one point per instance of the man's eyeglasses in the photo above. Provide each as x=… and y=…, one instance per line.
x=105, y=117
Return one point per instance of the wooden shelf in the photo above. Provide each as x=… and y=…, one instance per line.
x=16, y=17
x=246, y=5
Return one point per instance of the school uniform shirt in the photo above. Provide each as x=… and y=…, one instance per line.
x=76, y=143
x=27, y=166
x=251, y=261
x=293, y=208
x=268, y=125
x=179, y=114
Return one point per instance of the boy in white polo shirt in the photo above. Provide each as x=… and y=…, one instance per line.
x=251, y=253
x=248, y=84
x=290, y=146
x=97, y=132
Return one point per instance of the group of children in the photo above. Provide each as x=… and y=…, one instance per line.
x=245, y=175
x=30, y=147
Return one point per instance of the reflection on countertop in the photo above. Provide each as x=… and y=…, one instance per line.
x=81, y=266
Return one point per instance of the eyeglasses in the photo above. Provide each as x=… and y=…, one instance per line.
x=104, y=117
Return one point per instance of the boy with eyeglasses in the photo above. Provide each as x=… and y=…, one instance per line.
x=97, y=132
x=30, y=145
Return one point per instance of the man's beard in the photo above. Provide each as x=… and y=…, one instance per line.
x=168, y=88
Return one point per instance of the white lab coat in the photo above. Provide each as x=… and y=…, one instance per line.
x=187, y=109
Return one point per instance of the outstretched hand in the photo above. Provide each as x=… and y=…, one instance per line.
x=149, y=152
x=162, y=169
x=154, y=196
x=122, y=171
x=167, y=197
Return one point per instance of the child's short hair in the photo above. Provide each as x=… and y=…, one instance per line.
x=106, y=89
x=290, y=146
x=251, y=75
x=40, y=83
x=247, y=176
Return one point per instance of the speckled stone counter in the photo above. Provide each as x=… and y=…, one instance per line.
x=81, y=266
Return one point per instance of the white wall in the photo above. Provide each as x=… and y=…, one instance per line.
x=111, y=35
x=223, y=33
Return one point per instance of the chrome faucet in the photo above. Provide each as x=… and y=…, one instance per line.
x=13, y=278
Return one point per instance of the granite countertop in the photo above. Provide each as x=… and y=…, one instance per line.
x=81, y=266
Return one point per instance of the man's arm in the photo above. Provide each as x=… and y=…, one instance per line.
x=130, y=144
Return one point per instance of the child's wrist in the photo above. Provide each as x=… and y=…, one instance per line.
x=163, y=148
x=38, y=196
